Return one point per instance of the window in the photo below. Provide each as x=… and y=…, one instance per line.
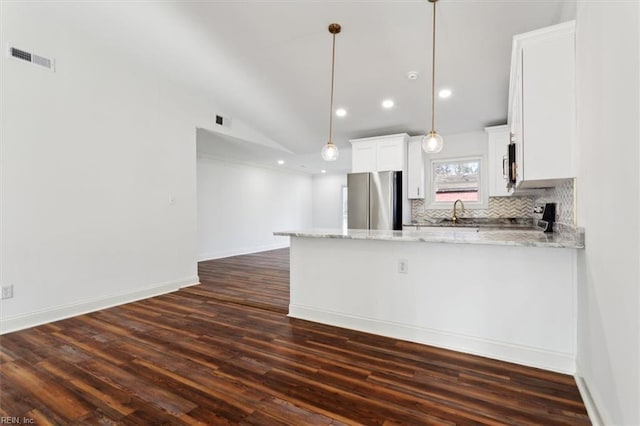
x=456, y=179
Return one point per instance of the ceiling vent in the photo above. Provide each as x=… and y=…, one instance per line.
x=24, y=56
x=223, y=121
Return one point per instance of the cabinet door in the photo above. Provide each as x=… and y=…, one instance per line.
x=548, y=98
x=498, y=138
x=363, y=156
x=391, y=155
x=415, y=169
x=515, y=126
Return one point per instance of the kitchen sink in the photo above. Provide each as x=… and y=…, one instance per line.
x=477, y=224
x=465, y=221
x=467, y=228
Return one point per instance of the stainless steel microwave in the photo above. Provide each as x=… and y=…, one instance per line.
x=510, y=174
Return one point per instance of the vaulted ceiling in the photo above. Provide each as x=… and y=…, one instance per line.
x=267, y=63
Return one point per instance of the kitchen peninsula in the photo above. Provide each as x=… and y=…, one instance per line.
x=504, y=294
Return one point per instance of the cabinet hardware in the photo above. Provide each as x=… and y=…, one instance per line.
x=504, y=162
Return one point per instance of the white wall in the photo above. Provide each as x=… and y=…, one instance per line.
x=608, y=88
x=91, y=156
x=479, y=309
x=567, y=11
x=327, y=200
x=460, y=145
x=463, y=145
x=240, y=206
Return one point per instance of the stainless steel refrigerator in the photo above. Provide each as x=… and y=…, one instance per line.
x=374, y=200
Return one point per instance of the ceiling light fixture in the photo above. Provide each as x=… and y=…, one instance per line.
x=412, y=75
x=281, y=162
x=323, y=171
x=432, y=143
x=330, y=151
x=444, y=93
x=387, y=103
x=341, y=112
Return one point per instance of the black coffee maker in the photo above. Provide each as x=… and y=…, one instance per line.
x=548, y=211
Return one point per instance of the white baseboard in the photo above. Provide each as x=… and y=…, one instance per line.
x=240, y=251
x=524, y=355
x=32, y=319
x=191, y=284
x=595, y=414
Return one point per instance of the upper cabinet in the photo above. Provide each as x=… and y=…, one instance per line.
x=542, y=105
x=379, y=154
x=415, y=169
x=363, y=156
x=498, y=139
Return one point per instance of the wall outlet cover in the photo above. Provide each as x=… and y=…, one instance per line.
x=403, y=266
x=7, y=292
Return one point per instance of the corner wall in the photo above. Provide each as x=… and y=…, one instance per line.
x=608, y=90
x=240, y=206
x=327, y=200
x=97, y=172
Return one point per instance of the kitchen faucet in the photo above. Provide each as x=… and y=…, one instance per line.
x=454, y=216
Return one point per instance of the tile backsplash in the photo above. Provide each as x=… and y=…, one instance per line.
x=512, y=206
x=562, y=195
x=498, y=207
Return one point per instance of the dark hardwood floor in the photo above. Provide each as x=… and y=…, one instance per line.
x=260, y=280
x=223, y=352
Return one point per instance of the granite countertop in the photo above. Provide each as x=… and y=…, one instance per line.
x=504, y=237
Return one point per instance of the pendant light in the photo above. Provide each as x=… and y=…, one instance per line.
x=432, y=143
x=330, y=151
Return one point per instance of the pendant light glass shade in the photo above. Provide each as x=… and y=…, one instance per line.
x=330, y=152
x=432, y=143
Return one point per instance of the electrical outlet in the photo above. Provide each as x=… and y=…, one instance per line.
x=7, y=291
x=403, y=266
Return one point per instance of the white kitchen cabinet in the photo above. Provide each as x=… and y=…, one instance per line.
x=382, y=154
x=497, y=139
x=379, y=154
x=542, y=105
x=391, y=154
x=363, y=156
x=415, y=169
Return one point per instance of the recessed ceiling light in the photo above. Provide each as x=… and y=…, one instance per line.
x=412, y=75
x=323, y=171
x=341, y=112
x=387, y=103
x=281, y=162
x=444, y=93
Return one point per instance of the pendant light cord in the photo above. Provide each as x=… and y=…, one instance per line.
x=333, y=62
x=433, y=71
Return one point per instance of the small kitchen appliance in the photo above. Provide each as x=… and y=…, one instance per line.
x=511, y=166
x=548, y=217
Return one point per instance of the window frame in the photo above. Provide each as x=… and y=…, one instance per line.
x=483, y=198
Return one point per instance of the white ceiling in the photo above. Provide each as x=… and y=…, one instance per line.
x=267, y=63
x=225, y=147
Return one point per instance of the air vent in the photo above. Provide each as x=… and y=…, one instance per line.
x=223, y=121
x=23, y=55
